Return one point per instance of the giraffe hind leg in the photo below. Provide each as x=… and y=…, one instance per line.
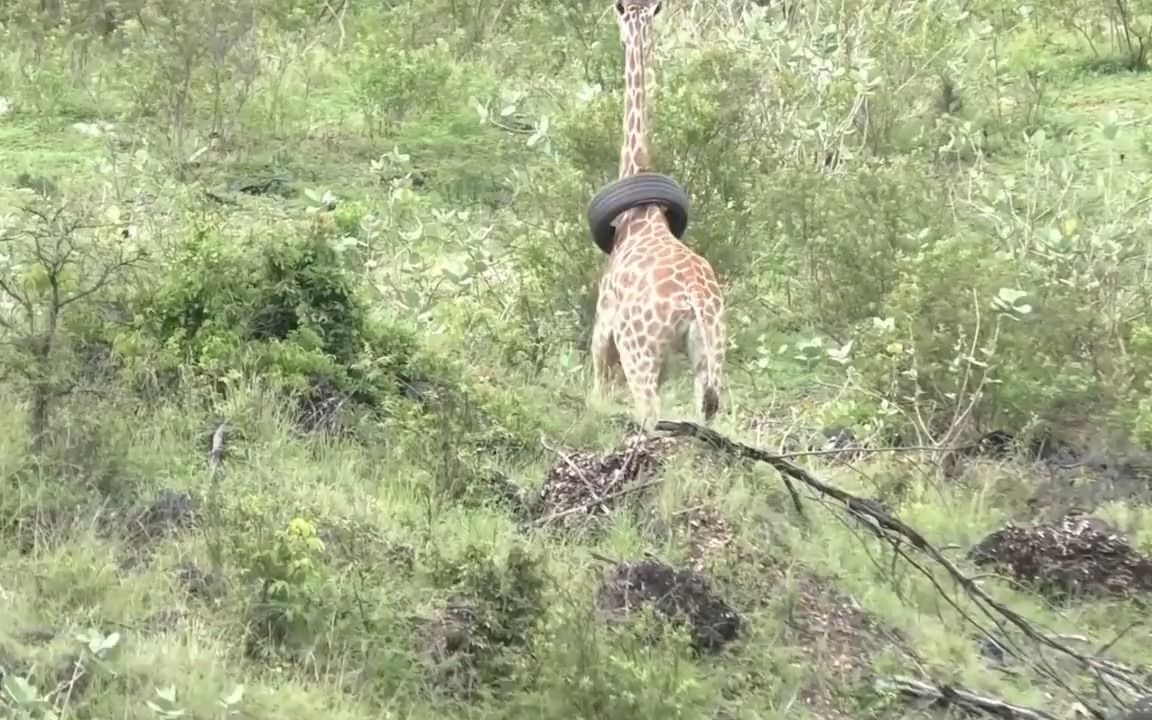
x=642, y=371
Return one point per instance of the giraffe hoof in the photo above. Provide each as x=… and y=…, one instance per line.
x=636, y=191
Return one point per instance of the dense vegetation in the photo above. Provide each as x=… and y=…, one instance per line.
x=294, y=307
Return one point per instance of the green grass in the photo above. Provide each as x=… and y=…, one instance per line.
x=72, y=583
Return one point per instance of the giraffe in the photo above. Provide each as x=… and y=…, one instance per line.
x=655, y=295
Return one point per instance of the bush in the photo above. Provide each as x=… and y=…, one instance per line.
x=286, y=308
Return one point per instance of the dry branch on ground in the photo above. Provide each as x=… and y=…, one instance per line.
x=949, y=695
x=582, y=484
x=1111, y=676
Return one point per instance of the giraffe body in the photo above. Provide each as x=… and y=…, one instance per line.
x=656, y=295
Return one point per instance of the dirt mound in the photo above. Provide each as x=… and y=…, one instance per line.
x=170, y=512
x=1140, y=710
x=1124, y=473
x=832, y=632
x=490, y=487
x=682, y=596
x=452, y=645
x=709, y=533
x=318, y=409
x=197, y=582
x=581, y=484
x=349, y=543
x=1072, y=476
x=703, y=528
x=1078, y=555
x=824, y=627
x=485, y=626
x=36, y=527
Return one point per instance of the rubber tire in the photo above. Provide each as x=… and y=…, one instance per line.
x=631, y=192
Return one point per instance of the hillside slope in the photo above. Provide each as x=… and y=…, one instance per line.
x=295, y=302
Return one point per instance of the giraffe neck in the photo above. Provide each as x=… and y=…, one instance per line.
x=634, y=156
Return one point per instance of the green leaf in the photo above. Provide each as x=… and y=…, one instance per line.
x=110, y=641
x=1010, y=295
x=841, y=355
x=234, y=697
x=23, y=692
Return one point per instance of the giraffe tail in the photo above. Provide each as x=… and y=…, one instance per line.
x=708, y=354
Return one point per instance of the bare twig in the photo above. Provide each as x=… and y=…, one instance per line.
x=596, y=499
x=216, y=454
x=594, y=502
x=962, y=699
x=895, y=531
x=215, y=471
x=880, y=450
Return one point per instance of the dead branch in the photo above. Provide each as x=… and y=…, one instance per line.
x=895, y=532
x=962, y=699
x=597, y=501
x=892, y=450
x=215, y=471
x=216, y=454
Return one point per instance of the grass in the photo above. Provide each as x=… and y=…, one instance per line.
x=400, y=507
x=73, y=582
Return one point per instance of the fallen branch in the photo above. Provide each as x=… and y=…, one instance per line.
x=216, y=454
x=962, y=699
x=895, y=532
x=584, y=507
x=215, y=471
x=889, y=450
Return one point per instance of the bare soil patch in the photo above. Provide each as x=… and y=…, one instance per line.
x=682, y=596
x=837, y=638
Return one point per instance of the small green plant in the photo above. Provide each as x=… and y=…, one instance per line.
x=284, y=571
x=506, y=604
x=25, y=700
x=165, y=705
x=97, y=650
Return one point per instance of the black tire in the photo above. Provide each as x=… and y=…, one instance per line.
x=631, y=192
